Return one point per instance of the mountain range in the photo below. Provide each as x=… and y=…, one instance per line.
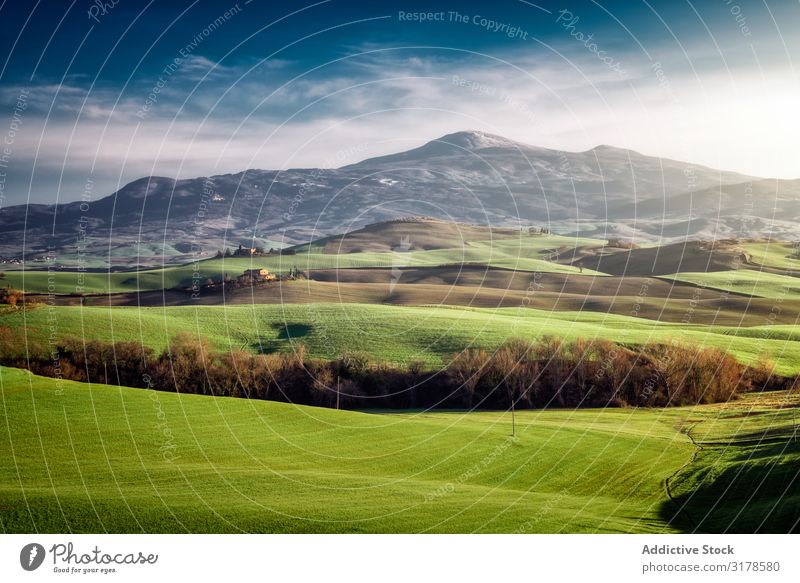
x=470, y=177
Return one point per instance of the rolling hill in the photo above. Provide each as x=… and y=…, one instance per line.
x=164, y=462
x=397, y=334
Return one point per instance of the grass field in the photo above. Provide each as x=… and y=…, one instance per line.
x=747, y=458
x=531, y=255
x=95, y=458
x=775, y=254
x=745, y=281
x=389, y=333
x=438, y=235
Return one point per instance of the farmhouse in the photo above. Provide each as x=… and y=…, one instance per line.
x=259, y=273
x=255, y=276
x=245, y=251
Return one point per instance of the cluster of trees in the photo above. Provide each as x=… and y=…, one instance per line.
x=258, y=250
x=10, y=296
x=599, y=373
x=547, y=373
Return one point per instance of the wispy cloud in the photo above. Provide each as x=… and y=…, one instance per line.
x=224, y=117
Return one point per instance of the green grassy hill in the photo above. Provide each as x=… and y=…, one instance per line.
x=534, y=254
x=746, y=476
x=95, y=458
x=389, y=333
x=775, y=254
x=745, y=281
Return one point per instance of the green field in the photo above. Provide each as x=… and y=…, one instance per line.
x=528, y=255
x=747, y=459
x=745, y=281
x=773, y=254
x=389, y=333
x=95, y=458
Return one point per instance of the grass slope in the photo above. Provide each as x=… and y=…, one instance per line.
x=747, y=472
x=531, y=255
x=429, y=234
x=95, y=458
x=390, y=333
x=776, y=254
x=92, y=458
x=745, y=281
x=692, y=256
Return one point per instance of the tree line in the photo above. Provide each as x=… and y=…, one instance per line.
x=550, y=372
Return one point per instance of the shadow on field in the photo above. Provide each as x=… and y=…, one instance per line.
x=739, y=489
x=286, y=333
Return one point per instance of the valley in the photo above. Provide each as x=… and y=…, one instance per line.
x=412, y=298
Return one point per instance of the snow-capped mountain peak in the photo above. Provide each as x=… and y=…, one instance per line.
x=475, y=140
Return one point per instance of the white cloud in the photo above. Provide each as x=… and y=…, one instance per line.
x=383, y=102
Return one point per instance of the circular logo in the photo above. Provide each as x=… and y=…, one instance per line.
x=31, y=556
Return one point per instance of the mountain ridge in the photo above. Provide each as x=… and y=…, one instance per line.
x=469, y=176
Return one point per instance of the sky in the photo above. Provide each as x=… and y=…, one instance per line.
x=95, y=94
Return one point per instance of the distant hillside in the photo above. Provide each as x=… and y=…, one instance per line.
x=410, y=234
x=694, y=256
x=466, y=177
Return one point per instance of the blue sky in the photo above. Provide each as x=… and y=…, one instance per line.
x=106, y=95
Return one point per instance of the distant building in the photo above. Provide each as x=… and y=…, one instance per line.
x=244, y=251
x=257, y=275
